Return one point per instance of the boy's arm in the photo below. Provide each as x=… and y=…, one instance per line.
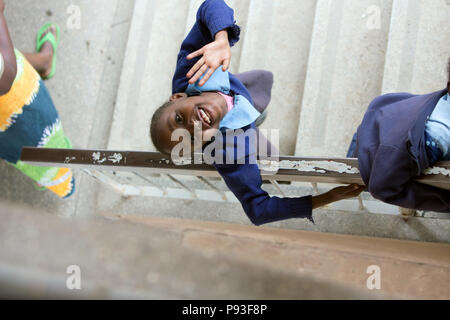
x=245, y=181
x=213, y=16
x=6, y=54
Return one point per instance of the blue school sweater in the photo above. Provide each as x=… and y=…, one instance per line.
x=244, y=180
x=391, y=151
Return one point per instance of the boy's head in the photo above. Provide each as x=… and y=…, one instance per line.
x=204, y=111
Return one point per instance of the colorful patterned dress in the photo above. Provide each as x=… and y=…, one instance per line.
x=29, y=118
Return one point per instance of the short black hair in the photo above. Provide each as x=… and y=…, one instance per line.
x=154, y=126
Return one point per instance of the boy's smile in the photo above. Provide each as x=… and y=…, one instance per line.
x=205, y=116
x=204, y=111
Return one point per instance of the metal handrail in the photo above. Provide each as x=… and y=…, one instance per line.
x=314, y=170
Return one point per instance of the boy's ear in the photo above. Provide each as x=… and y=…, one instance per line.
x=177, y=96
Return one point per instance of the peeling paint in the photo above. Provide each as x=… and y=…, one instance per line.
x=182, y=161
x=96, y=157
x=115, y=158
x=437, y=170
x=164, y=160
x=309, y=166
x=69, y=159
x=267, y=165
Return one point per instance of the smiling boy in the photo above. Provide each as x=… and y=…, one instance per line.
x=206, y=97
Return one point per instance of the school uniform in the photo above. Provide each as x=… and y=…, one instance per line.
x=244, y=180
x=400, y=136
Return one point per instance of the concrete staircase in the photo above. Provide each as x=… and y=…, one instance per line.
x=330, y=59
x=345, y=72
x=158, y=258
x=418, y=47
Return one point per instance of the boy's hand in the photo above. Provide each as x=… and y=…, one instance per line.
x=214, y=55
x=342, y=193
x=337, y=194
x=2, y=6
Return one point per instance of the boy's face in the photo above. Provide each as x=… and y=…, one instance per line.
x=204, y=111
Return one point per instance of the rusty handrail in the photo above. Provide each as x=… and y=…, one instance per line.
x=321, y=170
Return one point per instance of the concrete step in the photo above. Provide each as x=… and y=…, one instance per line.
x=191, y=14
x=241, y=14
x=177, y=186
x=277, y=38
x=159, y=258
x=337, y=220
x=156, y=33
x=173, y=259
x=345, y=72
x=419, y=47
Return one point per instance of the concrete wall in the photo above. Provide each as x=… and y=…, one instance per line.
x=136, y=257
x=345, y=73
x=147, y=71
x=419, y=47
x=277, y=38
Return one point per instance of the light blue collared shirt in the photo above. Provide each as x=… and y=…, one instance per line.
x=438, y=126
x=243, y=112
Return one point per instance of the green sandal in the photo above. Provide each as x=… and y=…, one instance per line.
x=50, y=38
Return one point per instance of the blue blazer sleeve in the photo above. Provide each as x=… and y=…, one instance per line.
x=392, y=181
x=216, y=15
x=212, y=17
x=245, y=181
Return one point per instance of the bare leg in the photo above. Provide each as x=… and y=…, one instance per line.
x=42, y=61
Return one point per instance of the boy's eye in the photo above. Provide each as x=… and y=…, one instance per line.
x=178, y=119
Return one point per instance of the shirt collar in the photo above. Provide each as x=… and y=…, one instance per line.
x=219, y=81
x=243, y=112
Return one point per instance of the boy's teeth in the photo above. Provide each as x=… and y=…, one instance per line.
x=205, y=116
